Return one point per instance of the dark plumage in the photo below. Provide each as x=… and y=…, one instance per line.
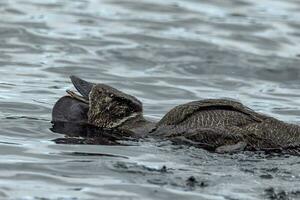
x=222, y=122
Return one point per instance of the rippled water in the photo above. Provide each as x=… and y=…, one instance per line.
x=165, y=53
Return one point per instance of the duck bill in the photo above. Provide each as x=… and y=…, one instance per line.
x=82, y=86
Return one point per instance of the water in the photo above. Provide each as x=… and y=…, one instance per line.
x=165, y=53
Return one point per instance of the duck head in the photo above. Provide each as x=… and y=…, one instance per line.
x=97, y=104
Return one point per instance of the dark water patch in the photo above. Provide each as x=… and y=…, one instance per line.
x=266, y=176
x=14, y=11
x=237, y=14
x=261, y=42
x=76, y=70
x=285, y=111
x=15, y=107
x=150, y=7
x=135, y=168
x=17, y=64
x=25, y=117
x=29, y=37
x=38, y=26
x=35, y=127
x=9, y=143
x=7, y=86
x=45, y=5
x=97, y=42
x=18, y=49
x=289, y=73
x=83, y=161
x=38, y=92
x=71, y=49
x=155, y=41
x=240, y=28
x=93, y=154
x=8, y=32
x=15, y=151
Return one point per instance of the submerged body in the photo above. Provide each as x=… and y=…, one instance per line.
x=219, y=125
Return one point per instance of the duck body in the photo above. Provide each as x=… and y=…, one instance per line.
x=226, y=125
x=219, y=125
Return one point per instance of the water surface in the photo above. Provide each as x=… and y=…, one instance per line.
x=165, y=53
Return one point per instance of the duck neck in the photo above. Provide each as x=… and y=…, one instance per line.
x=138, y=125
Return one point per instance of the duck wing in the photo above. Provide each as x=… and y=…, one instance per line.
x=182, y=112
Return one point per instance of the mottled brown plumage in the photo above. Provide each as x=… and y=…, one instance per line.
x=223, y=122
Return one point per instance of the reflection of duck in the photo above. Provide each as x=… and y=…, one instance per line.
x=215, y=124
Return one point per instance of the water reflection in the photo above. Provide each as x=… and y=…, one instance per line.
x=75, y=133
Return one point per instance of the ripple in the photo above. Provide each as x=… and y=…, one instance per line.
x=165, y=53
x=15, y=107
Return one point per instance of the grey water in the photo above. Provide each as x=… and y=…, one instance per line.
x=165, y=53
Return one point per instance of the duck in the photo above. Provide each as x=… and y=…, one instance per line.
x=217, y=125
